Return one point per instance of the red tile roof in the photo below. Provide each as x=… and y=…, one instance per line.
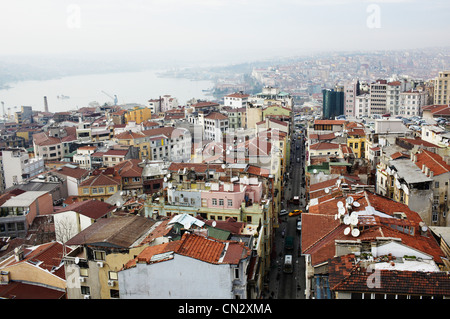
x=418, y=141
x=20, y=290
x=238, y=95
x=115, y=153
x=329, y=122
x=128, y=168
x=324, y=146
x=91, y=208
x=216, y=116
x=99, y=180
x=47, y=256
x=433, y=161
x=202, y=248
x=347, y=275
x=77, y=173
x=321, y=228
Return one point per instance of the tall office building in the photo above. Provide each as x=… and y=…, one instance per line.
x=351, y=92
x=441, y=88
x=333, y=103
x=378, y=97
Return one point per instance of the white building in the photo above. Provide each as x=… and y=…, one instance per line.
x=236, y=100
x=378, y=97
x=362, y=105
x=393, y=90
x=351, y=91
x=194, y=267
x=412, y=101
x=215, y=125
x=83, y=156
x=17, y=166
x=78, y=216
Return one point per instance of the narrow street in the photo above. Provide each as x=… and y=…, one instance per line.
x=290, y=285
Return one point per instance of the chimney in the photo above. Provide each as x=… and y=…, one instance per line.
x=18, y=253
x=45, y=104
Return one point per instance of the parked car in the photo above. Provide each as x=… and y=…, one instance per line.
x=283, y=212
x=299, y=225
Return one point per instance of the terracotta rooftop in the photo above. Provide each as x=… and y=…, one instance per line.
x=114, y=232
x=20, y=290
x=433, y=161
x=99, y=180
x=344, y=275
x=216, y=116
x=324, y=146
x=77, y=173
x=202, y=248
x=91, y=208
x=47, y=257
x=321, y=228
x=128, y=168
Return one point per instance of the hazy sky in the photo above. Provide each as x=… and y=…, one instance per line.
x=212, y=30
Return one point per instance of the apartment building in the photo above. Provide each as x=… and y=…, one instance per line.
x=17, y=166
x=150, y=274
x=100, y=252
x=378, y=91
x=138, y=115
x=216, y=124
x=393, y=90
x=18, y=212
x=236, y=100
x=412, y=102
x=442, y=88
x=351, y=91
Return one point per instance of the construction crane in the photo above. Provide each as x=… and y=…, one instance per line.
x=113, y=98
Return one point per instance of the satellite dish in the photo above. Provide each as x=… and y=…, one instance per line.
x=327, y=190
x=354, y=220
x=77, y=260
x=168, y=175
x=214, y=224
x=350, y=200
x=347, y=231
x=356, y=204
x=341, y=211
x=347, y=220
x=355, y=232
x=424, y=228
x=223, y=166
x=336, y=216
x=314, y=171
x=340, y=204
x=165, y=179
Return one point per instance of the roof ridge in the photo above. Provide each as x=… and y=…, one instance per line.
x=435, y=160
x=324, y=236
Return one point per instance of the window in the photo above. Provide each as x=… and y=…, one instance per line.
x=99, y=255
x=85, y=290
x=236, y=273
x=111, y=189
x=114, y=293
x=94, y=190
x=84, y=272
x=214, y=201
x=230, y=202
x=220, y=202
x=113, y=275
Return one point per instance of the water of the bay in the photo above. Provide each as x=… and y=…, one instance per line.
x=81, y=90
